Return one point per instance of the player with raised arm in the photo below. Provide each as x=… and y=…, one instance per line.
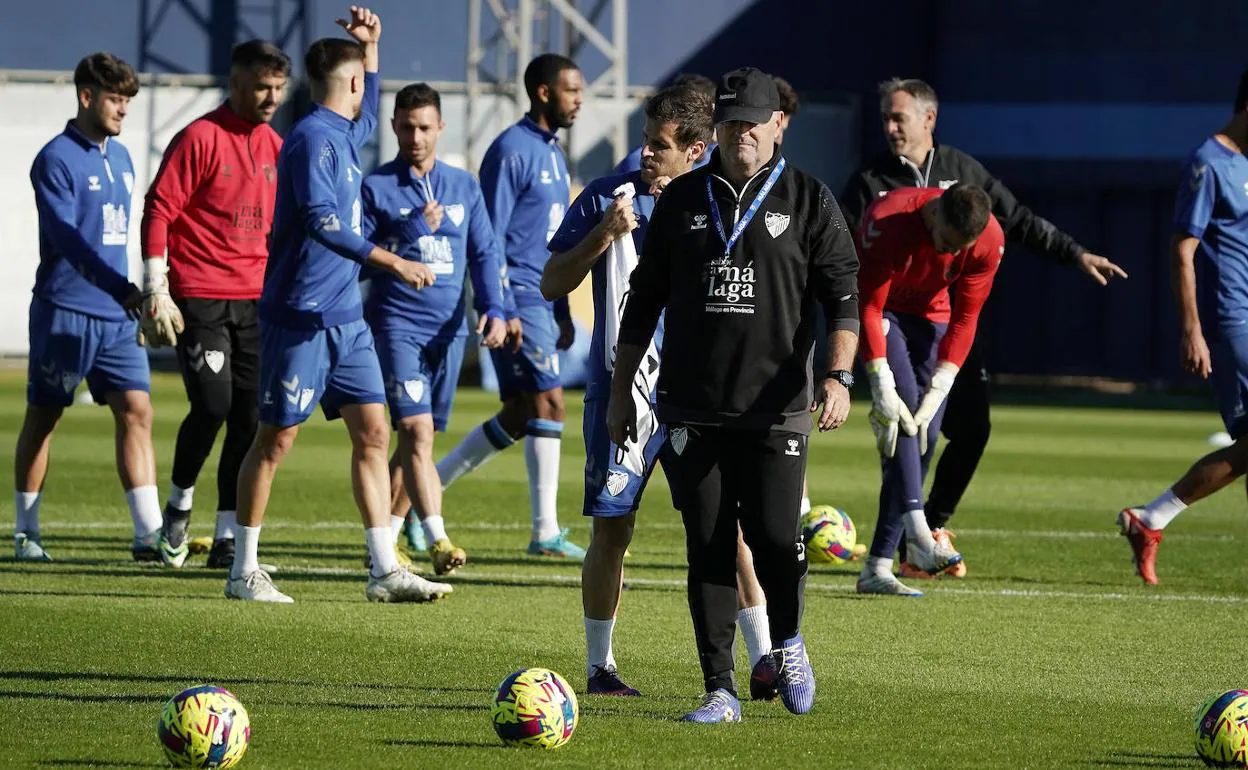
x=1209, y=267
x=433, y=214
x=314, y=343
x=525, y=180
x=82, y=312
x=210, y=209
x=915, y=245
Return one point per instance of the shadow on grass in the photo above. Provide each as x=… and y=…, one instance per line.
x=189, y=680
x=445, y=744
x=79, y=698
x=97, y=763
x=1145, y=759
x=107, y=594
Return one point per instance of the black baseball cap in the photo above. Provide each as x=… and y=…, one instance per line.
x=747, y=94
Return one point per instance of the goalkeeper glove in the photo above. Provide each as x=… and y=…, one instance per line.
x=159, y=318
x=937, y=392
x=888, y=412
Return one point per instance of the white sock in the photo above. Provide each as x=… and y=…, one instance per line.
x=1160, y=512
x=917, y=530
x=598, y=643
x=181, y=498
x=877, y=566
x=804, y=508
x=27, y=504
x=381, y=549
x=247, y=551
x=755, y=629
x=435, y=529
x=145, y=511
x=541, y=460
x=485, y=441
x=396, y=526
x=225, y=525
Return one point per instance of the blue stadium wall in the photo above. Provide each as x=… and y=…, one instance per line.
x=1085, y=109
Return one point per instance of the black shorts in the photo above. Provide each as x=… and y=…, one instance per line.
x=221, y=342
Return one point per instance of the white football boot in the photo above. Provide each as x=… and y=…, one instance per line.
x=886, y=585
x=255, y=586
x=401, y=585
x=934, y=559
x=27, y=547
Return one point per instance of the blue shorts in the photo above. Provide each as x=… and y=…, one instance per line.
x=1229, y=357
x=612, y=488
x=535, y=369
x=420, y=377
x=66, y=346
x=302, y=367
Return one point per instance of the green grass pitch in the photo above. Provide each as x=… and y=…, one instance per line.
x=1050, y=653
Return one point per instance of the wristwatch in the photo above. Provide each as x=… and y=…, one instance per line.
x=846, y=378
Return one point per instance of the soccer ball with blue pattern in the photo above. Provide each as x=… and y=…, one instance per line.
x=1222, y=729
x=829, y=535
x=535, y=707
x=204, y=727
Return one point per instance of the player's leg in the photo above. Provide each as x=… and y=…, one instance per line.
x=240, y=425
x=966, y=428
x=500, y=431
x=355, y=391
x=30, y=469
x=204, y=356
x=769, y=467
x=443, y=362
x=752, y=620
x=705, y=494
x=542, y=445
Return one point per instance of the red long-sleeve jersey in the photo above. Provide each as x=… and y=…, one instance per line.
x=901, y=271
x=211, y=206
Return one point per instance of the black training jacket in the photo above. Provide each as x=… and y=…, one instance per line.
x=945, y=166
x=739, y=331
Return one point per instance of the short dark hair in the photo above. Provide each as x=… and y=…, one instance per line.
x=789, y=103
x=919, y=89
x=966, y=208
x=417, y=95
x=106, y=72
x=328, y=54
x=544, y=71
x=689, y=108
x=1241, y=94
x=260, y=56
x=693, y=80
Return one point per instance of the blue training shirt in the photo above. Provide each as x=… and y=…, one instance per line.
x=310, y=281
x=632, y=161
x=1212, y=205
x=394, y=198
x=82, y=194
x=584, y=215
x=524, y=177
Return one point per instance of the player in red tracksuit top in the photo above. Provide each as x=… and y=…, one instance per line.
x=914, y=244
x=211, y=209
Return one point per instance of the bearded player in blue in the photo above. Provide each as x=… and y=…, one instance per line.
x=525, y=180
x=314, y=343
x=434, y=214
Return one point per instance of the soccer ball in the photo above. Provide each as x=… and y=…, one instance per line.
x=1222, y=729
x=829, y=535
x=204, y=727
x=535, y=707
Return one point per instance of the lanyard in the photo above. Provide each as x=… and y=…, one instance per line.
x=749, y=213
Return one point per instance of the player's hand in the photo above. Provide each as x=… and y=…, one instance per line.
x=492, y=330
x=620, y=219
x=1100, y=268
x=134, y=304
x=1195, y=354
x=942, y=382
x=622, y=420
x=160, y=319
x=567, y=334
x=364, y=25
x=432, y=214
x=414, y=274
x=515, y=334
x=835, y=405
x=659, y=185
x=889, y=414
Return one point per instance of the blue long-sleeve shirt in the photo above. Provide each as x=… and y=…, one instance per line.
x=525, y=180
x=83, y=195
x=311, y=281
x=464, y=242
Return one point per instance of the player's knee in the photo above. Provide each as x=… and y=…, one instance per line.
x=548, y=405
x=612, y=534
x=416, y=433
x=41, y=420
x=136, y=416
x=213, y=406
x=515, y=415
x=273, y=444
x=1238, y=456
x=373, y=436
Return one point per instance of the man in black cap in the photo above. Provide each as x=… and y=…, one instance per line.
x=738, y=254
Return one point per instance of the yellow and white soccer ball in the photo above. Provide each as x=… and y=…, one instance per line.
x=829, y=535
x=1222, y=729
x=204, y=727
x=535, y=707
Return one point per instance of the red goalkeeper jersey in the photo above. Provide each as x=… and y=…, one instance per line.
x=211, y=206
x=901, y=271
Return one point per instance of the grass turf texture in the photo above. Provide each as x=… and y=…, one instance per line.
x=1051, y=654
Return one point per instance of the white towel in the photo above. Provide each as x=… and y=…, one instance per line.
x=621, y=260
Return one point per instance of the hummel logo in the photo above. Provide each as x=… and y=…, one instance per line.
x=193, y=353
x=699, y=222
x=93, y=183
x=297, y=397
x=792, y=450
x=292, y=384
x=725, y=97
